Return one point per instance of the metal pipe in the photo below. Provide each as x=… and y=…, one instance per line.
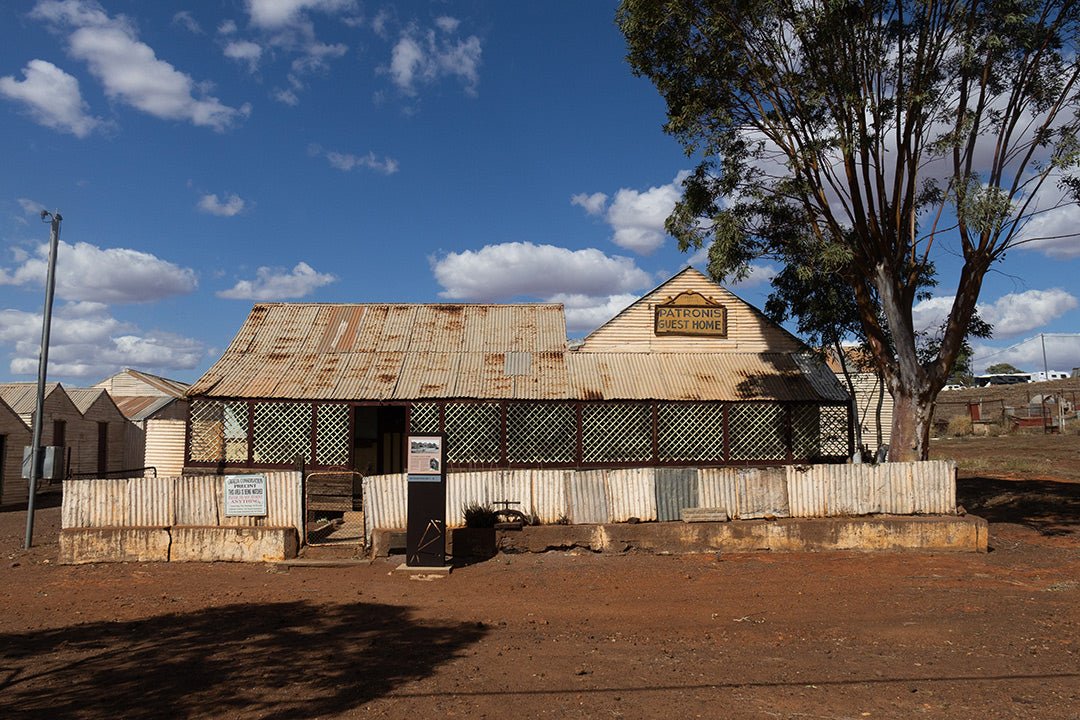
x=43, y=363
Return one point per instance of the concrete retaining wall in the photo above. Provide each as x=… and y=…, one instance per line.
x=963, y=534
x=177, y=544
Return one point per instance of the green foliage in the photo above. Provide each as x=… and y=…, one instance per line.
x=1003, y=369
x=855, y=142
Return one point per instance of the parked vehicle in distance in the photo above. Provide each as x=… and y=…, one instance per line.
x=954, y=387
x=988, y=380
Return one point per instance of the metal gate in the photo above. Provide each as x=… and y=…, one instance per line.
x=334, y=507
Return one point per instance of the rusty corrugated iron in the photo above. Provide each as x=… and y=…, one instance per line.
x=442, y=351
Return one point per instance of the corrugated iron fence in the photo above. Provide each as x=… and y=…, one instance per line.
x=196, y=500
x=608, y=496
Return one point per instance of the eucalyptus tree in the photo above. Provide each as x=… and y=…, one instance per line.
x=896, y=134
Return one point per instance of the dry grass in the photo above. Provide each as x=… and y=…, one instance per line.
x=960, y=425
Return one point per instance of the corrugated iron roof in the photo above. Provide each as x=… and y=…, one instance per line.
x=175, y=388
x=139, y=407
x=383, y=351
x=414, y=352
x=83, y=398
x=689, y=376
x=22, y=397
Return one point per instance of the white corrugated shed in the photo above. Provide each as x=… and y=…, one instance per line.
x=165, y=446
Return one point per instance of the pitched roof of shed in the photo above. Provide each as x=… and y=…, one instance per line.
x=22, y=397
x=387, y=351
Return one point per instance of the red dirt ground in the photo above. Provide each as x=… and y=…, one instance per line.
x=560, y=635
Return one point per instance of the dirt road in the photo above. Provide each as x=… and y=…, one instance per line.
x=562, y=635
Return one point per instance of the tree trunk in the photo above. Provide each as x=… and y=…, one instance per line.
x=912, y=415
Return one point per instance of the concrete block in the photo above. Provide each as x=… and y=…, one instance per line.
x=704, y=515
x=233, y=544
x=936, y=533
x=92, y=545
x=541, y=538
x=386, y=541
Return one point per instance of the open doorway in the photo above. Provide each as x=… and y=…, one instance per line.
x=334, y=498
x=379, y=439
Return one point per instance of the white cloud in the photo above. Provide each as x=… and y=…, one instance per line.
x=244, y=51
x=1062, y=353
x=277, y=284
x=348, y=161
x=585, y=313
x=1010, y=315
x=52, y=98
x=760, y=274
x=1018, y=313
x=227, y=27
x=276, y=14
x=591, y=286
x=129, y=70
x=85, y=272
x=636, y=217
x=499, y=272
x=447, y=24
x=286, y=97
x=423, y=57
x=593, y=204
x=1054, y=232
x=86, y=341
x=187, y=21
x=31, y=206
x=232, y=204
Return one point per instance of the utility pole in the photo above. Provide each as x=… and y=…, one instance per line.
x=43, y=363
x=1046, y=370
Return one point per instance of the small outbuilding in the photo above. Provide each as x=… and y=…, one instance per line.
x=14, y=436
x=156, y=409
x=99, y=440
x=63, y=423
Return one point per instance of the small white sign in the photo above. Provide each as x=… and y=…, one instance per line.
x=245, y=495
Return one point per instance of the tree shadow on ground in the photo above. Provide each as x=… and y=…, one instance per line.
x=1051, y=508
x=279, y=660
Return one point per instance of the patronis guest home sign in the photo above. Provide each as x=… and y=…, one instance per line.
x=691, y=313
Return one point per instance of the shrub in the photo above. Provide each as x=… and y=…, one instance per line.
x=479, y=516
x=960, y=425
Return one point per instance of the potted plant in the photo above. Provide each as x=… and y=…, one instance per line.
x=477, y=539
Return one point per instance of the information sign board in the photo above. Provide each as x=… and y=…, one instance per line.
x=245, y=495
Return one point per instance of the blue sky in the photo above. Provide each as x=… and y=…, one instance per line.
x=206, y=156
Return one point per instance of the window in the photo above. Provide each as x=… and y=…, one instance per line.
x=59, y=433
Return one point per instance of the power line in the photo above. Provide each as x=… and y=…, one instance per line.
x=988, y=356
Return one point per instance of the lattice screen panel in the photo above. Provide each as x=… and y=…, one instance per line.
x=473, y=433
x=616, y=432
x=756, y=431
x=332, y=434
x=805, y=431
x=834, y=439
x=424, y=418
x=690, y=431
x=206, y=444
x=236, y=431
x=541, y=432
x=282, y=432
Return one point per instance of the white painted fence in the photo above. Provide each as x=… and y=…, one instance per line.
x=607, y=496
x=196, y=500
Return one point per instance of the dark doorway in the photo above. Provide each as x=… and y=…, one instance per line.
x=102, y=448
x=379, y=439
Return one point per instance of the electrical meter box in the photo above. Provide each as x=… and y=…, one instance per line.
x=50, y=463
